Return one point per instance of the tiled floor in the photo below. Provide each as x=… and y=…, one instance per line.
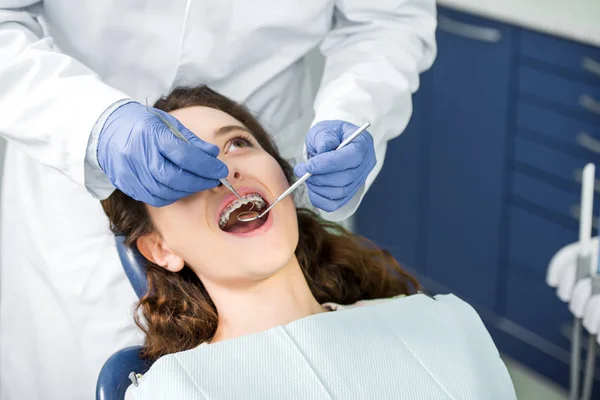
x=530, y=386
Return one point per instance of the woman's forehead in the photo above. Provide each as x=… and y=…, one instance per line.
x=205, y=122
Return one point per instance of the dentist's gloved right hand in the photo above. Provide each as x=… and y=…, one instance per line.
x=145, y=160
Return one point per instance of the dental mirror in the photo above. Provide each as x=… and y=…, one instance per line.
x=248, y=216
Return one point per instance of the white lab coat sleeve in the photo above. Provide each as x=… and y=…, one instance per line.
x=50, y=102
x=129, y=393
x=96, y=180
x=374, y=54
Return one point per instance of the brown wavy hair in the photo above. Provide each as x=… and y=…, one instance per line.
x=178, y=313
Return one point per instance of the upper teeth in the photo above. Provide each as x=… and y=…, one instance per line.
x=237, y=203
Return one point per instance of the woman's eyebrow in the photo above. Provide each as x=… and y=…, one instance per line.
x=229, y=128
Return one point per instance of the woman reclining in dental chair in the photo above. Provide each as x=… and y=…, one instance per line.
x=269, y=309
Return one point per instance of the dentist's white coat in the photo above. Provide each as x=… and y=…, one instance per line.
x=65, y=301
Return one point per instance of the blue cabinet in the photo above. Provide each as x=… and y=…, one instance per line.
x=483, y=187
x=470, y=94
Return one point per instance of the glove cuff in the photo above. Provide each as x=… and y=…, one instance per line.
x=337, y=115
x=96, y=181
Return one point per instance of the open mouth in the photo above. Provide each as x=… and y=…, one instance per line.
x=228, y=219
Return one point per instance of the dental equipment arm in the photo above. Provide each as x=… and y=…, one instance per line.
x=592, y=321
x=582, y=270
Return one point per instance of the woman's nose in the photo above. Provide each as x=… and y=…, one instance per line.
x=234, y=172
x=233, y=177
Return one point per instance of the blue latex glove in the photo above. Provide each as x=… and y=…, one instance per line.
x=145, y=160
x=337, y=175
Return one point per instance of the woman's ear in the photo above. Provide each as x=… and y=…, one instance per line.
x=154, y=249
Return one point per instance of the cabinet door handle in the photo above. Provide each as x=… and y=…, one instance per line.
x=575, y=209
x=590, y=65
x=586, y=141
x=589, y=103
x=475, y=32
x=578, y=175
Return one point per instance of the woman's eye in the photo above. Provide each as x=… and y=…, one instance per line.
x=238, y=143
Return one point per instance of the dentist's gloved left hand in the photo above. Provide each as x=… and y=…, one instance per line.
x=336, y=174
x=146, y=161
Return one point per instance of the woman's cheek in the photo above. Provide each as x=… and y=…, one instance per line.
x=186, y=222
x=276, y=176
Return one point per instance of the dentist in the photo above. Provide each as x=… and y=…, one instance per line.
x=73, y=75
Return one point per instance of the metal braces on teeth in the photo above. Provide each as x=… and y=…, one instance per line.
x=254, y=198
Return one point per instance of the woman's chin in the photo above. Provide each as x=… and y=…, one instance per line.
x=266, y=265
x=267, y=247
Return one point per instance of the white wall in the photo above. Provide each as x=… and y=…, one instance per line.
x=2, y=149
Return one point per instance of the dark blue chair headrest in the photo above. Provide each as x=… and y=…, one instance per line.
x=135, y=266
x=113, y=380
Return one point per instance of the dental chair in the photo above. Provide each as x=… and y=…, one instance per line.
x=113, y=379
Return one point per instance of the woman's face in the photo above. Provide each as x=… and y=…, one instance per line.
x=196, y=230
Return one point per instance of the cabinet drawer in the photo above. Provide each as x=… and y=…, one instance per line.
x=583, y=137
x=551, y=161
x=535, y=306
x=577, y=58
x=533, y=240
x=547, y=196
x=574, y=96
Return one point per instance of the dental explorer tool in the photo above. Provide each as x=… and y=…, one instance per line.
x=254, y=215
x=178, y=134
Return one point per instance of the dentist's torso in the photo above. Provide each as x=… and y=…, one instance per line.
x=66, y=303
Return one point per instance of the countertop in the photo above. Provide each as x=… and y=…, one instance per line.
x=577, y=20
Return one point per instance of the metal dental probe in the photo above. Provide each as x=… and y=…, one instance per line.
x=256, y=215
x=178, y=134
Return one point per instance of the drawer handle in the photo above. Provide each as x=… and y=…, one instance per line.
x=469, y=31
x=588, y=142
x=578, y=175
x=590, y=65
x=574, y=210
x=589, y=103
